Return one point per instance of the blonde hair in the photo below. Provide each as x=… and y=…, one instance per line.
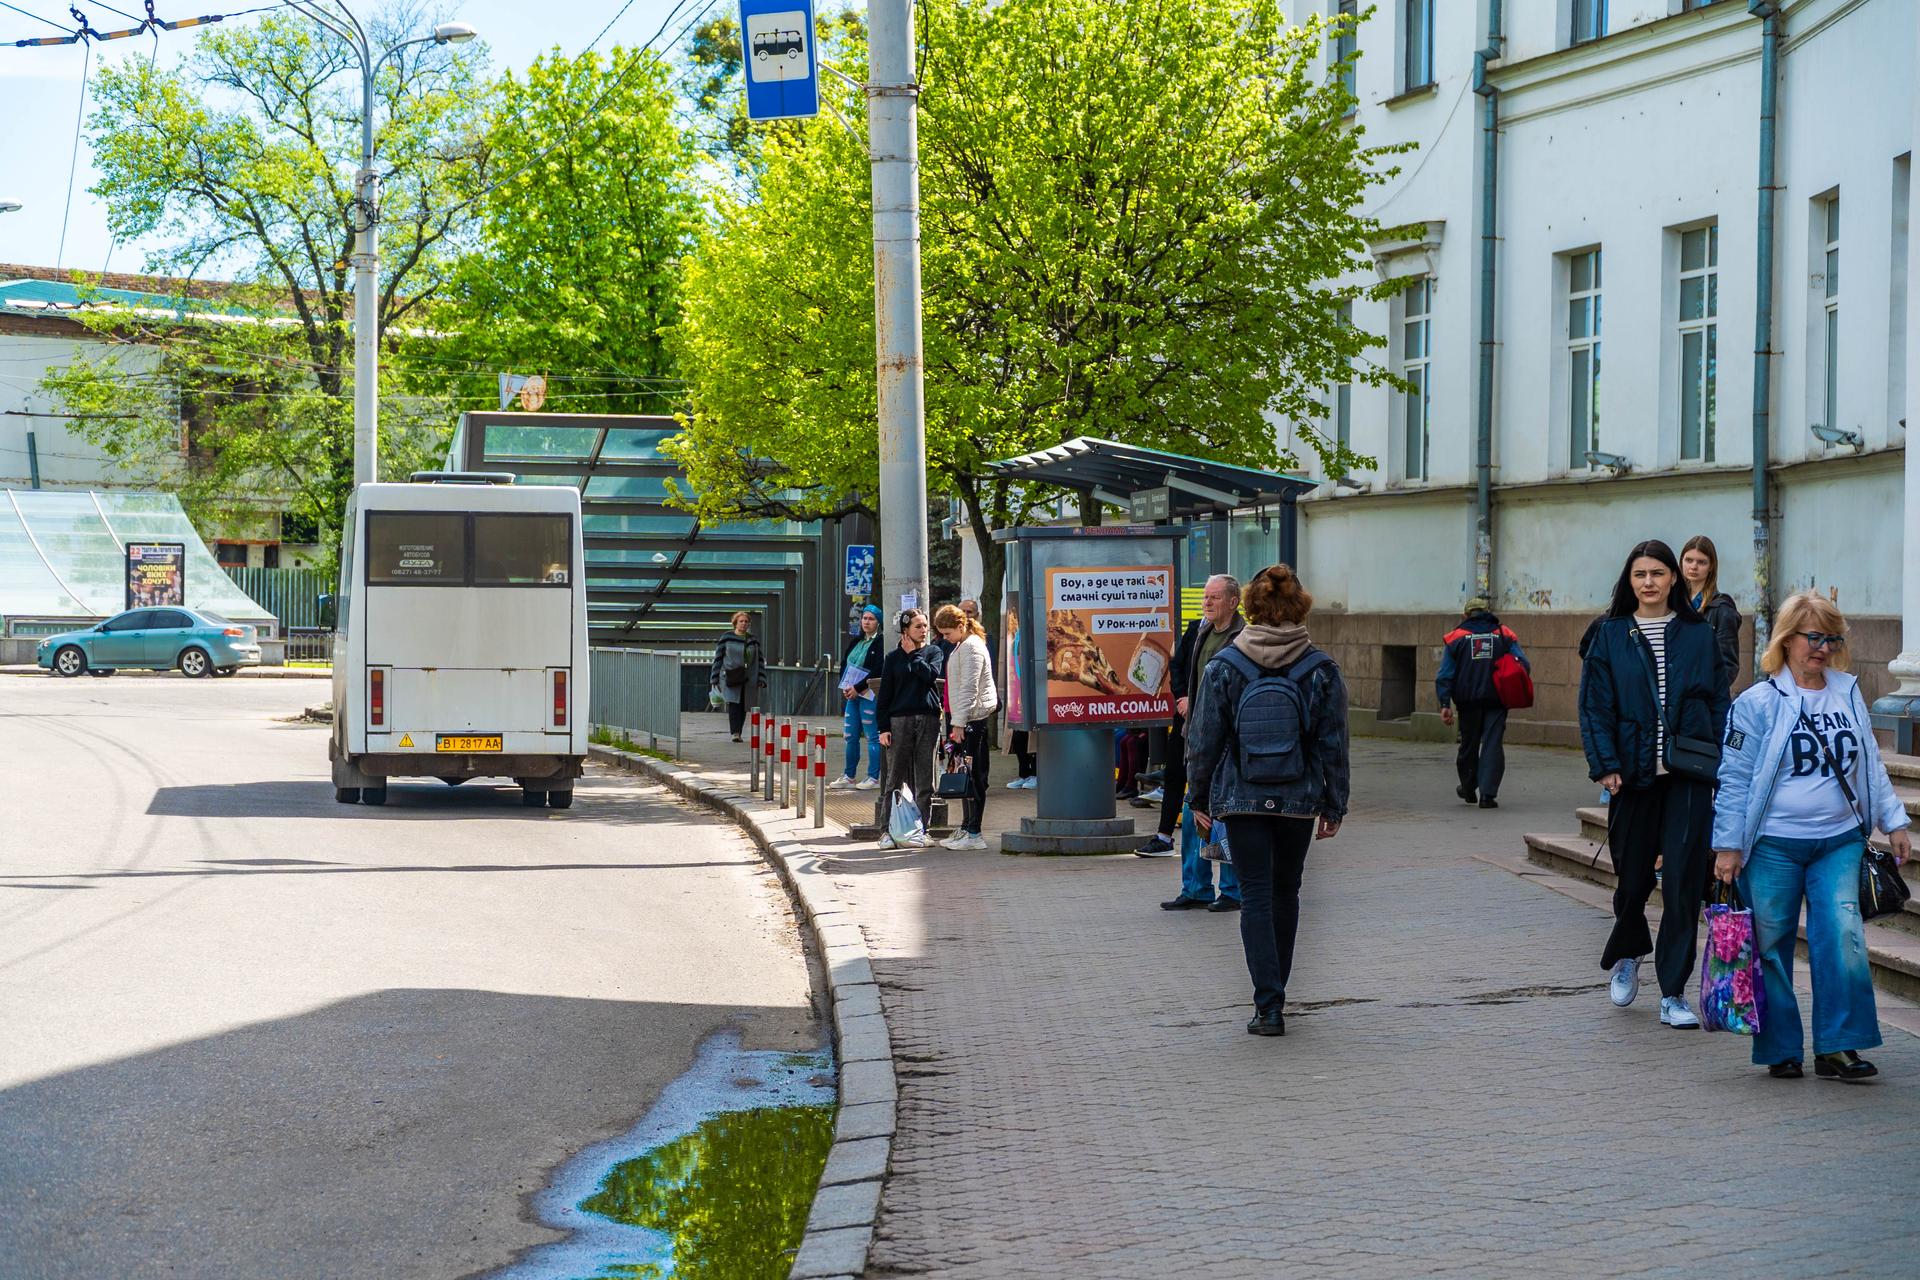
x=1808, y=611
x=951, y=617
x=739, y=614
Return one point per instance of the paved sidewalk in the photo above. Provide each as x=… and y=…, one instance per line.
x=1454, y=1096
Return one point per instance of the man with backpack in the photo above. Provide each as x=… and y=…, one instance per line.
x=1483, y=674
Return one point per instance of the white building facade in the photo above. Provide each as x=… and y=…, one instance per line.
x=1626, y=285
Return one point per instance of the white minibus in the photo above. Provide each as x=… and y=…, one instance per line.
x=460, y=637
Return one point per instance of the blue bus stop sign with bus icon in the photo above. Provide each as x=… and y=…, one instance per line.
x=783, y=71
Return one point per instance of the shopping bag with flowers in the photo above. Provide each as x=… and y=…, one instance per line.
x=1731, y=995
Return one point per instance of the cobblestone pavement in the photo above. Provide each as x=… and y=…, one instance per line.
x=1454, y=1095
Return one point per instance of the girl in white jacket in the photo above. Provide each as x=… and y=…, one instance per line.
x=971, y=702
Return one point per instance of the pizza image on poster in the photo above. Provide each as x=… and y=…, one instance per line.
x=1110, y=644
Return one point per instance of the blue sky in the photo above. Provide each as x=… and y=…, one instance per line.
x=40, y=95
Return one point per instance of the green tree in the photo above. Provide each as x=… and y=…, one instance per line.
x=578, y=250
x=1132, y=210
x=242, y=157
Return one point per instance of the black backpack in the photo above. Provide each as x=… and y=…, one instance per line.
x=1271, y=719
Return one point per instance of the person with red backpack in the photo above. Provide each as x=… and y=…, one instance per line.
x=1267, y=755
x=1484, y=674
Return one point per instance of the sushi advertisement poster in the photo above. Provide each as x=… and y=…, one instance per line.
x=1110, y=644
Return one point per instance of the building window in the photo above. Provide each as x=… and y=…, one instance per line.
x=1583, y=356
x=231, y=553
x=1416, y=346
x=1419, y=32
x=1699, y=340
x=1341, y=401
x=1830, y=272
x=1346, y=43
x=1589, y=20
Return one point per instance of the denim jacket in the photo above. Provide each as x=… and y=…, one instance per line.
x=1757, y=735
x=1214, y=784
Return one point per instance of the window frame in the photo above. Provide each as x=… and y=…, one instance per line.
x=468, y=577
x=1414, y=465
x=1340, y=403
x=1830, y=309
x=1346, y=44
x=1595, y=13
x=1705, y=384
x=1417, y=77
x=473, y=546
x=1589, y=345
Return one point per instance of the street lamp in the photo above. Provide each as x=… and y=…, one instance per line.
x=9, y=206
x=338, y=19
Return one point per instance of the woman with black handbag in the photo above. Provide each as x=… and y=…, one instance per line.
x=1801, y=785
x=738, y=670
x=971, y=702
x=1653, y=704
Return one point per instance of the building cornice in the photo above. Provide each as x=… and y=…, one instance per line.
x=1565, y=69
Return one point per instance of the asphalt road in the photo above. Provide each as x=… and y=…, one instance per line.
x=247, y=1031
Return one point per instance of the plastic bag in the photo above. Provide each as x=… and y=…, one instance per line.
x=1215, y=849
x=904, y=823
x=715, y=698
x=1732, y=997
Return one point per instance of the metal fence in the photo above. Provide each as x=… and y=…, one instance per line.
x=306, y=644
x=637, y=691
x=791, y=691
x=291, y=595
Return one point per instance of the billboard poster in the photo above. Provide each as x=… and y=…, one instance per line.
x=1110, y=638
x=1013, y=662
x=156, y=574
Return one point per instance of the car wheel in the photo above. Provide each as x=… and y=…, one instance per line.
x=100, y=671
x=533, y=799
x=195, y=664
x=347, y=795
x=558, y=799
x=69, y=662
x=373, y=795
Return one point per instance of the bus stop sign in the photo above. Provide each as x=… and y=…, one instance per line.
x=782, y=66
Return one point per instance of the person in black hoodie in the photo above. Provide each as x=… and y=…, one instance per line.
x=1700, y=566
x=1465, y=681
x=908, y=713
x=1653, y=676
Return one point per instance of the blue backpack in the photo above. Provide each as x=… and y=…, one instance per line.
x=1270, y=720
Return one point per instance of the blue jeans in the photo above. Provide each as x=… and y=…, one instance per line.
x=1778, y=874
x=1196, y=872
x=858, y=721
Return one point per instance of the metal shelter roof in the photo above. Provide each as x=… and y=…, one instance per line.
x=657, y=577
x=1112, y=472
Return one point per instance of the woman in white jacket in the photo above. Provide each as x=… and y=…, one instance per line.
x=1802, y=786
x=971, y=702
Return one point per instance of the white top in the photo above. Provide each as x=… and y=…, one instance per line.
x=1807, y=801
x=1654, y=632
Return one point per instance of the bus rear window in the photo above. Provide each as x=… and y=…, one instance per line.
x=416, y=548
x=522, y=550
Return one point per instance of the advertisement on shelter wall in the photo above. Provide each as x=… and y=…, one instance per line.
x=1110, y=638
x=156, y=574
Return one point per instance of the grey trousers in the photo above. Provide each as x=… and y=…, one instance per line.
x=910, y=761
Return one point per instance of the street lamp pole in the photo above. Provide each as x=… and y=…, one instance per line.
x=338, y=19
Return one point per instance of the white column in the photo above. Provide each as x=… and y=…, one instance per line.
x=1905, y=699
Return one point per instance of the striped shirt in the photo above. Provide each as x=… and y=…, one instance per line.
x=1654, y=632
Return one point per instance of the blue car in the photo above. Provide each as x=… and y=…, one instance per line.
x=199, y=643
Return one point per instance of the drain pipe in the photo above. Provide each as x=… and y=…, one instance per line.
x=1768, y=11
x=1489, y=239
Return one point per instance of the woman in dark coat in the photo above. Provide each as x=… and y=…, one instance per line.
x=1653, y=675
x=739, y=670
x=1700, y=566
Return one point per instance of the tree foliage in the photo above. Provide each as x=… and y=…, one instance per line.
x=1132, y=213
x=576, y=260
x=242, y=158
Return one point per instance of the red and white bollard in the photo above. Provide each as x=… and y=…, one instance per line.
x=767, y=761
x=800, y=756
x=753, y=752
x=819, y=777
x=786, y=763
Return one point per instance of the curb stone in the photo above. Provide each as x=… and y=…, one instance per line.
x=847, y=1200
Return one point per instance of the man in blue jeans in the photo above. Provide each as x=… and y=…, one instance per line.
x=1196, y=872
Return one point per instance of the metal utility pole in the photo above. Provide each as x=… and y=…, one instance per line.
x=893, y=147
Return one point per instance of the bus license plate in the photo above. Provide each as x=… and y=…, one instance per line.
x=468, y=742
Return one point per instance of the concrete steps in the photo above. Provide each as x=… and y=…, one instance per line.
x=1893, y=942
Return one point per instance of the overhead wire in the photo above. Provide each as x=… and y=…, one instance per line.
x=73, y=163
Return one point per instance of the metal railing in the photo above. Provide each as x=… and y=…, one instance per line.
x=309, y=645
x=636, y=691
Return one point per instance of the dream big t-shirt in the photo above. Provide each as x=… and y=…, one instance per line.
x=1808, y=803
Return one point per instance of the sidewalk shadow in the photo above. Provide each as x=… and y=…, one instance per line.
x=598, y=797
x=394, y=1134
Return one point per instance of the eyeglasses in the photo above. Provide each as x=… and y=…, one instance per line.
x=1822, y=640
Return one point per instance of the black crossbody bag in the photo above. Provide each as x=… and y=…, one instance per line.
x=1883, y=890
x=1695, y=758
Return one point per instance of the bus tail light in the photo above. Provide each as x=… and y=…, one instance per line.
x=560, y=699
x=377, y=698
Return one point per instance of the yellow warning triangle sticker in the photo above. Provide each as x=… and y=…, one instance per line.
x=406, y=739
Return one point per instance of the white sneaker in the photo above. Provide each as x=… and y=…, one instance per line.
x=1674, y=1013
x=1030, y=782
x=967, y=841
x=867, y=784
x=1626, y=983
x=1018, y=784
x=886, y=841
x=841, y=783
x=921, y=841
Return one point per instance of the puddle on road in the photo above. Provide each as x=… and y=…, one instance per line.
x=715, y=1181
